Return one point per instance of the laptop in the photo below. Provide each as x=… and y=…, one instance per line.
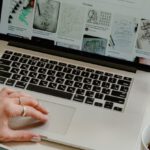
x=79, y=59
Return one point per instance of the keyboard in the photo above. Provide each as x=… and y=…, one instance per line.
x=72, y=82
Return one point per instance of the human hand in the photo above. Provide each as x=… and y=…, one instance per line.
x=13, y=104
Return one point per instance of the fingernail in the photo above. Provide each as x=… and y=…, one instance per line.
x=36, y=139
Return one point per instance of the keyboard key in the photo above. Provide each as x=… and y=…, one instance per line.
x=26, y=56
x=99, y=72
x=4, y=68
x=87, y=80
x=14, y=58
x=60, y=74
x=87, y=87
x=2, y=80
x=80, y=68
x=96, y=82
x=124, y=89
x=24, y=66
x=50, y=78
x=41, y=76
x=60, y=80
x=127, y=78
x=103, y=78
x=34, y=81
x=49, y=66
x=32, y=74
x=5, y=74
x=40, y=64
x=69, y=76
x=32, y=62
x=76, y=72
x=80, y=91
x=85, y=74
x=17, y=54
x=67, y=70
x=89, y=70
x=78, y=78
x=94, y=76
x=5, y=62
x=117, y=108
x=96, y=89
x=10, y=82
x=71, y=89
x=52, y=85
x=108, y=74
x=49, y=91
x=23, y=72
x=16, y=64
x=99, y=96
x=78, y=98
x=62, y=64
x=23, y=60
x=25, y=79
x=43, y=59
x=53, y=62
x=106, y=91
x=42, y=70
x=71, y=66
x=58, y=68
x=51, y=72
x=112, y=80
x=68, y=82
x=16, y=77
x=61, y=87
x=6, y=56
x=14, y=70
x=118, y=76
x=89, y=100
x=43, y=83
x=115, y=87
x=108, y=105
x=78, y=85
x=119, y=94
x=114, y=99
x=8, y=52
x=33, y=68
x=20, y=84
x=122, y=82
x=89, y=94
x=105, y=84
x=98, y=104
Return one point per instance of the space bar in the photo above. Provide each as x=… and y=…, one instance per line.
x=49, y=91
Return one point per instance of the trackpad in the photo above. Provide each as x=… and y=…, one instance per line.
x=60, y=117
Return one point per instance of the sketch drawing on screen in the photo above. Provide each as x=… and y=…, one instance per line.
x=46, y=15
x=71, y=21
x=143, y=40
x=94, y=45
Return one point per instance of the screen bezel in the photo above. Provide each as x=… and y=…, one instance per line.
x=48, y=46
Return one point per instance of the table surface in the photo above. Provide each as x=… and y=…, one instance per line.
x=55, y=146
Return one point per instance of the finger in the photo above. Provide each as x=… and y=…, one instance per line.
x=18, y=110
x=7, y=91
x=18, y=94
x=30, y=101
x=21, y=135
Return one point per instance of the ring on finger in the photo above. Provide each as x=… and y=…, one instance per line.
x=19, y=99
x=23, y=113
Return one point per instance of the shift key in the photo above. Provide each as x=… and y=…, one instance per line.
x=5, y=74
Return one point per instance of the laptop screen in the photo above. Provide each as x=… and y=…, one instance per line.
x=111, y=28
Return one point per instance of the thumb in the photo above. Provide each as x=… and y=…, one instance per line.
x=25, y=136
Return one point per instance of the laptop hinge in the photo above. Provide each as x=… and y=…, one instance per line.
x=57, y=52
